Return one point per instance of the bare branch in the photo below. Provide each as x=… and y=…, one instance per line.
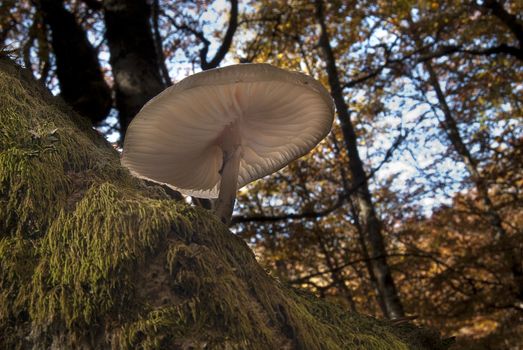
x=226, y=43
x=353, y=262
x=442, y=51
x=184, y=27
x=340, y=201
x=305, y=215
x=500, y=49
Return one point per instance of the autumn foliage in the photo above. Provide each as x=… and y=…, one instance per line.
x=411, y=208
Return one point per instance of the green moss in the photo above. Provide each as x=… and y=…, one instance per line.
x=17, y=261
x=86, y=251
x=93, y=257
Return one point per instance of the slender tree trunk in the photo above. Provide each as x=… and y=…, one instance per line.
x=158, y=43
x=366, y=213
x=330, y=260
x=361, y=235
x=134, y=58
x=336, y=276
x=82, y=83
x=451, y=128
x=368, y=261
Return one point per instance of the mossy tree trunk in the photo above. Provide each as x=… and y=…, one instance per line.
x=93, y=258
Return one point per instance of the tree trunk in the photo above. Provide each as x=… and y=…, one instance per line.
x=451, y=128
x=134, y=58
x=92, y=258
x=335, y=272
x=367, y=217
x=82, y=83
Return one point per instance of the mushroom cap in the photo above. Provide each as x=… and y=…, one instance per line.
x=175, y=138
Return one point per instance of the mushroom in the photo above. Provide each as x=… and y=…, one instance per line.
x=218, y=130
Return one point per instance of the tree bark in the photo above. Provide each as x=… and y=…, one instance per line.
x=134, y=59
x=367, y=216
x=82, y=83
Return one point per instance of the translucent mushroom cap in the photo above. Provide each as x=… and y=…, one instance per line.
x=175, y=138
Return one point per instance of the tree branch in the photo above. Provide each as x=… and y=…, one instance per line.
x=226, y=43
x=340, y=201
x=184, y=27
x=451, y=49
x=353, y=262
x=440, y=52
x=305, y=215
x=500, y=49
x=510, y=20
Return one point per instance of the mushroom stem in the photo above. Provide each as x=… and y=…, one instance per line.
x=229, y=174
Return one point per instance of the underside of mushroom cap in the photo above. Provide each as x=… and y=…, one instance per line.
x=176, y=138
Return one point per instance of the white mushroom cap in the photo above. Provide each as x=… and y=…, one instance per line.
x=175, y=138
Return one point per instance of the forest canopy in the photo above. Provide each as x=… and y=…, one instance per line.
x=410, y=209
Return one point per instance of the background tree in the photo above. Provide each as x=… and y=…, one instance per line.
x=78, y=70
x=412, y=203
